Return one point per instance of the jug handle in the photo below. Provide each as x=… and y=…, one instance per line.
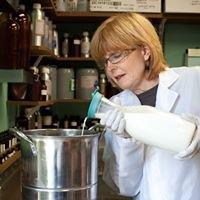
x=20, y=135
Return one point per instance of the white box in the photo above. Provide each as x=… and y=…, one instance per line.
x=182, y=6
x=145, y=6
x=192, y=57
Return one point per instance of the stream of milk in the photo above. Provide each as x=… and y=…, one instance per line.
x=83, y=128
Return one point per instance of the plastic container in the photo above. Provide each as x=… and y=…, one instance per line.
x=86, y=82
x=148, y=124
x=65, y=86
x=37, y=25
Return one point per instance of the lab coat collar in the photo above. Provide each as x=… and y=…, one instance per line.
x=166, y=97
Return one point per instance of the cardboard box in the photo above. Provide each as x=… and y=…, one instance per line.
x=192, y=57
x=145, y=6
x=182, y=6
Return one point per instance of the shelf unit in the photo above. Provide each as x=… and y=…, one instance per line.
x=47, y=103
x=10, y=161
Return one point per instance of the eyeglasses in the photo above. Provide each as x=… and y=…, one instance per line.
x=116, y=58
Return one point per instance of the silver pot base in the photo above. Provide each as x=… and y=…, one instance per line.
x=31, y=193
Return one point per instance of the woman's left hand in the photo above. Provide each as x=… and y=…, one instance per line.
x=194, y=147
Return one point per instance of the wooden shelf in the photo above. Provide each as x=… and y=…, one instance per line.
x=41, y=51
x=72, y=101
x=75, y=59
x=10, y=161
x=99, y=16
x=47, y=103
x=31, y=103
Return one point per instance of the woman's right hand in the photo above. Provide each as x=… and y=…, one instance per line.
x=114, y=120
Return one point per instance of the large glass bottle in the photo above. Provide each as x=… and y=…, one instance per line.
x=9, y=33
x=148, y=124
x=22, y=18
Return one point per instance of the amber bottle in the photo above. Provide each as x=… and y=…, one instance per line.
x=9, y=33
x=22, y=18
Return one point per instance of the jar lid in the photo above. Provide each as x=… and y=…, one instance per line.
x=85, y=33
x=37, y=6
x=94, y=104
x=66, y=35
x=45, y=70
x=22, y=6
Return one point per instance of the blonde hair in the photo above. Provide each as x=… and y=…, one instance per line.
x=126, y=31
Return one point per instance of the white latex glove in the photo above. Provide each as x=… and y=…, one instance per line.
x=114, y=120
x=194, y=146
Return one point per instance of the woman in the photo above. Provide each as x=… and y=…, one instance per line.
x=127, y=47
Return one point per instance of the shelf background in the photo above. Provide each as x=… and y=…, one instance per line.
x=181, y=31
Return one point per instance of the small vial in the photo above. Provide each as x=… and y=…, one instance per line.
x=65, y=45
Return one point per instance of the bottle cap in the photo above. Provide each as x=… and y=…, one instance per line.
x=85, y=33
x=45, y=70
x=34, y=69
x=36, y=6
x=102, y=76
x=94, y=104
x=22, y=7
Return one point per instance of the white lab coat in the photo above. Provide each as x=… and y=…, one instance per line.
x=132, y=167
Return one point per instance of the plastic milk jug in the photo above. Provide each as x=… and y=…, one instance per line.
x=148, y=124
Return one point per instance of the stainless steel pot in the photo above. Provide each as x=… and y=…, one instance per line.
x=59, y=162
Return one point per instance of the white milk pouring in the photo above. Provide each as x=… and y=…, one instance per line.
x=152, y=126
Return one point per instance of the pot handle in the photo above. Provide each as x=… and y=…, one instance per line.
x=98, y=126
x=21, y=135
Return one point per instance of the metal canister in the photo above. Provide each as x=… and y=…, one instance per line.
x=65, y=88
x=59, y=164
x=86, y=82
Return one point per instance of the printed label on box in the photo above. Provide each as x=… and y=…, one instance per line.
x=153, y=6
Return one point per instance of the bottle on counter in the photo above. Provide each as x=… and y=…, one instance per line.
x=55, y=121
x=22, y=121
x=85, y=45
x=47, y=117
x=38, y=120
x=37, y=25
x=74, y=122
x=65, y=45
x=31, y=118
x=66, y=122
x=23, y=19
